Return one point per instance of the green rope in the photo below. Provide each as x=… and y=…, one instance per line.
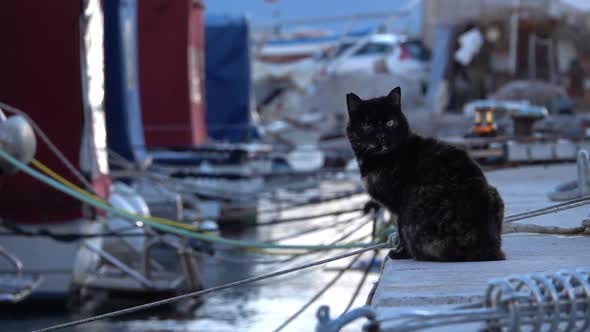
x=166, y=228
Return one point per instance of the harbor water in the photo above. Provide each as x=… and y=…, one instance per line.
x=262, y=306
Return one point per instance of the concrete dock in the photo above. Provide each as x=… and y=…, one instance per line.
x=408, y=283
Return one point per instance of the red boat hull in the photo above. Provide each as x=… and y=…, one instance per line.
x=171, y=62
x=40, y=73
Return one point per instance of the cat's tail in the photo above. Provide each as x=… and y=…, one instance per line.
x=496, y=207
x=496, y=220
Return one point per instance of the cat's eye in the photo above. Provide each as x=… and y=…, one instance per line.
x=391, y=123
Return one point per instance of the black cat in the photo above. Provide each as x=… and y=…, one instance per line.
x=446, y=209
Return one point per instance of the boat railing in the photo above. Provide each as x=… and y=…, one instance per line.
x=16, y=285
x=18, y=265
x=140, y=270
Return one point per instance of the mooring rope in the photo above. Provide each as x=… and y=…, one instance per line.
x=520, y=216
x=164, y=227
x=317, y=295
x=307, y=203
x=316, y=257
x=333, y=244
x=317, y=228
x=348, y=233
x=49, y=172
x=57, y=152
x=359, y=286
x=303, y=218
x=366, y=247
x=389, y=244
x=52, y=174
x=571, y=204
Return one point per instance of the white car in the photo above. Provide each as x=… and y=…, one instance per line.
x=361, y=54
x=380, y=53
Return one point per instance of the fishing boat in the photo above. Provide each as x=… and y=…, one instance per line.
x=139, y=261
x=75, y=248
x=207, y=153
x=57, y=78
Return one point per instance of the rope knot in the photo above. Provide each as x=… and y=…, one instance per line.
x=393, y=241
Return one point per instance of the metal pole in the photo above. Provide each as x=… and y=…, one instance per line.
x=532, y=56
x=514, y=20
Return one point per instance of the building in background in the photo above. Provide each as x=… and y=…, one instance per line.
x=523, y=40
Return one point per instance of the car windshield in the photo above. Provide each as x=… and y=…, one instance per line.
x=343, y=47
x=337, y=51
x=372, y=48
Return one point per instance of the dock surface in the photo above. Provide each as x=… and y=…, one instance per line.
x=408, y=283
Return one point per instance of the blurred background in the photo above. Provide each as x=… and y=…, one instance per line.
x=135, y=124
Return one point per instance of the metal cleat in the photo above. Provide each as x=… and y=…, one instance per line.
x=577, y=188
x=531, y=302
x=325, y=324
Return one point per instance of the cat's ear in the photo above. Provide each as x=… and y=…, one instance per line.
x=353, y=102
x=395, y=96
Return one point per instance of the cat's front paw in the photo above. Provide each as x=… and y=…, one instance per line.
x=399, y=253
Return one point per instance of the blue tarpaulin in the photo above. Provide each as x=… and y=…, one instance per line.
x=123, y=113
x=227, y=72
